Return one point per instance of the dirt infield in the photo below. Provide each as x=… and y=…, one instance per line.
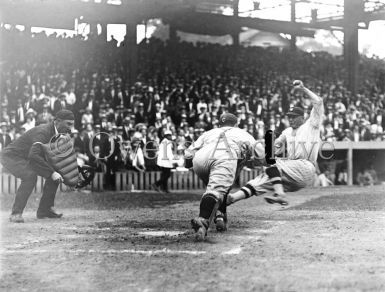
x=326, y=240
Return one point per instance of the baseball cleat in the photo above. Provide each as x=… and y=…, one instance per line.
x=221, y=221
x=276, y=199
x=200, y=226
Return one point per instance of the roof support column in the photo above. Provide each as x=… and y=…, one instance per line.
x=131, y=52
x=235, y=35
x=352, y=12
x=293, y=39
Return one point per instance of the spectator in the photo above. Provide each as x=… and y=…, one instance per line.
x=342, y=177
x=364, y=178
x=87, y=117
x=165, y=162
x=324, y=180
x=98, y=161
x=45, y=117
x=5, y=138
x=373, y=174
x=60, y=103
x=30, y=121
x=136, y=155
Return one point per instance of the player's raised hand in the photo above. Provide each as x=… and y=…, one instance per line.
x=298, y=84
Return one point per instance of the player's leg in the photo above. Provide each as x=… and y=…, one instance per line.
x=201, y=166
x=221, y=178
x=278, y=197
x=220, y=219
x=268, y=182
x=296, y=174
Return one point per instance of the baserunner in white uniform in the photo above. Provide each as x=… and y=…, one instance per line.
x=297, y=169
x=217, y=158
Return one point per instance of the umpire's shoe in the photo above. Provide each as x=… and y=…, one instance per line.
x=49, y=213
x=200, y=226
x=16, y=218
x=220, y=221
x=276, y=199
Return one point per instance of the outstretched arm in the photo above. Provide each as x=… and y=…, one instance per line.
x=298, y=85
x=317, y=112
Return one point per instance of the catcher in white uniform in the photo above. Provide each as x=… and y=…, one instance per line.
x=297, y=170
x=217, y=158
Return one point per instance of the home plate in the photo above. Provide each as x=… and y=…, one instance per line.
x=161, y=233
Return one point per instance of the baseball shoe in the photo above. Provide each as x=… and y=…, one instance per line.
x=200, y=226
x=16, y=218
x=49, y=213
x=276, y=199
x=220, y=221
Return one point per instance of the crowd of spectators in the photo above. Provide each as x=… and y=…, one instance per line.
x=180, y=87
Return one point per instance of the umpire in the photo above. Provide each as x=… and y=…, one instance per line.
x=26, y=160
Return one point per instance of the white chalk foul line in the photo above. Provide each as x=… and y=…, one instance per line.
x=159, y=233
x=108, y=251
x=236, y=250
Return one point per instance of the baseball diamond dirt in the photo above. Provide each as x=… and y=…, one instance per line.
x=329, y=239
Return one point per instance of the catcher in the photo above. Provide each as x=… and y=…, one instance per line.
x=217, y=158
x=44, y=151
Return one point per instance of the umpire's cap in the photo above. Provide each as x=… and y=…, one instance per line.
x=228, y=119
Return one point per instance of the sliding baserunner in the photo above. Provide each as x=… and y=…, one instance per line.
x=297, y=169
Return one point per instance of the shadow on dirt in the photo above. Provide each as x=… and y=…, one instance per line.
x=356, y=201
x=109, y=200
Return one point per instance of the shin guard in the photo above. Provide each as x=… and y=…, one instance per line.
x=209, y=204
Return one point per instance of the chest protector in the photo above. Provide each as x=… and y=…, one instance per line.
x=60, y=154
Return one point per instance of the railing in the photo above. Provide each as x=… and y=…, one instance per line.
x=187, y=180
x=129, y=181
x=9, y=184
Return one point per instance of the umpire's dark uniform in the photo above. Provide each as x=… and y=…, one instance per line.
x=26, y=161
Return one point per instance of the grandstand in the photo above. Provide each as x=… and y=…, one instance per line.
x=180, y=65
x=174, y=85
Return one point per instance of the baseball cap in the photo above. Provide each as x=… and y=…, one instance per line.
x=296, y=111
x=228, y=119
x=65, y=115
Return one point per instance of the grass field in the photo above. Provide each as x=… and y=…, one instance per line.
x=329, y=239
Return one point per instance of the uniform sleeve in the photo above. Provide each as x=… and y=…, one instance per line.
x=37, y=159
x=316, y=114
x=194, y=147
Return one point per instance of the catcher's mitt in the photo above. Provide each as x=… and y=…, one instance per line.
x=87, y=175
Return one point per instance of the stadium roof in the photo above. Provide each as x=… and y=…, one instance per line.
x=195, y=16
